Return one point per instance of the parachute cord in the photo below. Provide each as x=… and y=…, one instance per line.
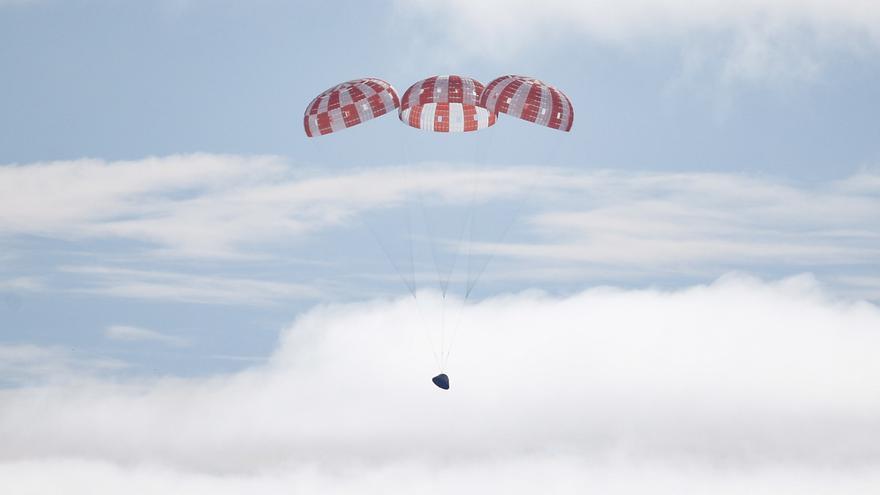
x=471, y=283
x=430, y=232
x=483, y=152
x=442, y=330
x=427, y=333
x=442, y=285
x=408, y=205
x=409, y=236
x=412, y=182
x=470, y=287
x=465, y=236
x=530, y=191
x=459, y=317
x=469, y=227
x=413, y=292
x=491, y=256
x=409, y=285
x=443, y=279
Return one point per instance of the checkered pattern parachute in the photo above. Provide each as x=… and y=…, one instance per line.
x=445, y=104
x=349, y=104
x=529, y=99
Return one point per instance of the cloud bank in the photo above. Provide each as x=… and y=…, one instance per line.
x=741, y=386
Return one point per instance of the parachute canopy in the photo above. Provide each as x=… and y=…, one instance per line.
x=349, y=104
x=445, y=104
x=529, y=99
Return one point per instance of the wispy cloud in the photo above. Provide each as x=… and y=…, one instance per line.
x=246, y=208
x=753, y=41
x=127, y=333
x=716, y=219
x=209, y=205
x=21, y=284
x=22, y=364
x=161, y=200
x=189, y=288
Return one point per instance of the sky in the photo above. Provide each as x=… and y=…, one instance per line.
x=680, y=295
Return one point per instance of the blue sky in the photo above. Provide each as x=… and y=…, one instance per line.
x=163, y=216
x=117, y=81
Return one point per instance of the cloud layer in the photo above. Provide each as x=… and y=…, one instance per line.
x=739, y=386
x=568, y=223
x=211, y=205
x=691, y=220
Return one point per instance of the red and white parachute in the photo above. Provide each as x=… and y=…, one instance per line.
x=445, y=104
x=529, y=99
x=440, y=104
x=349, y=104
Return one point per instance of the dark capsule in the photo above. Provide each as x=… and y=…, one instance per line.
x=441, y=381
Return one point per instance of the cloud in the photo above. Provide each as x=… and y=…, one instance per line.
x=756, y=41
x=188, y=288
x=523, y=474
x=866, y=286
x=27, y=363
x=704, y=218
x=210, y=205
x=618, y=225
x=161, y=200
x=128, y=333
x=737, y=386
x=28, y=284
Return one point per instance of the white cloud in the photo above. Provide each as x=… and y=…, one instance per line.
x=249, y=209
x=21, y=284
x=693, y=220
x=762, y=40
x=865, y=286
x=150, y=199
x=741, y=386
x=181, y=287
x=211, y=205
x=27, y=363
x=560, y=474
x=127, y=333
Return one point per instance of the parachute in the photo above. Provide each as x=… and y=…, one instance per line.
x=451, y=105
x=445, y=104
x=349, y=104
x=529, y=99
